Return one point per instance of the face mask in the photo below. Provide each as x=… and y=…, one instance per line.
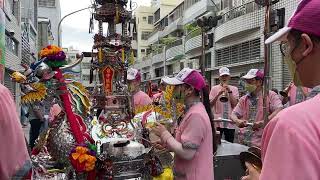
x=132, y=87
x=250, y=88
x=179, y=95
x=292, y=67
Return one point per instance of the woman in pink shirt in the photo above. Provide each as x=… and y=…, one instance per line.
x=193, y=143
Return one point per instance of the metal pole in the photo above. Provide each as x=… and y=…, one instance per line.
x=67, y=16
x=202, y=59
x=267, y=58
x=165, y=61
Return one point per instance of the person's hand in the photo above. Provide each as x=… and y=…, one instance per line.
x=252, y=173
x=257, y=125
x=241, y=123
x=158, y=129
x=158, y=145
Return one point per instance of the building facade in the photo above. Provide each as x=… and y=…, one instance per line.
x=49, y=12
x=29, y=31
x=12, y=44
x=237, y=42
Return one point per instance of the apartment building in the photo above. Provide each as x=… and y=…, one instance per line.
x=236, y=42
x=29, y=30
x=12, y=44
x=49, y=14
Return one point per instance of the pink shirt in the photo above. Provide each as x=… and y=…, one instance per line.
x=243, y=111
x=195, y=128
x=293, y=94
x=13, y=148
x=291, y=143
x=219, y=108
x=141, y=99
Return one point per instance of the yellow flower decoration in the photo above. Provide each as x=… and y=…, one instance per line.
x=82, y=156
x=166, y=112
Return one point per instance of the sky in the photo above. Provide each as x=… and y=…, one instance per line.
x=75, y=28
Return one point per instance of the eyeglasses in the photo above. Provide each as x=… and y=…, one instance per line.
x=284, y=48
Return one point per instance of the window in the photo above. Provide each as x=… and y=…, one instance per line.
x=170, y=70
x=144, y=18
x=86, y=77
x=146, y=76
x=190, y=65
x=157, y=15
x=86, y=65
x=189, y=3
x=208, y=60
x=145, y=35
x=135, y=52
x=12, y=44
x=47, y=3
x=242, y=52
x=159, y=72
x=150, y=19
x=226, y=4
x=143, y=50
x=134, y=37
x=181, y=65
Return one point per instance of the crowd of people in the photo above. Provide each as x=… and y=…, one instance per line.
x=289, y=142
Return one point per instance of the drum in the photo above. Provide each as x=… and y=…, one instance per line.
x=227, y=165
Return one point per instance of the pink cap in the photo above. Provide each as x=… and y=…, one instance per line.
x=306, y=19
x=188, y=76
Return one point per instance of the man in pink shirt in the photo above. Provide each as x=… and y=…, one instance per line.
x=140, y=98
x=291, y=141
x=222, y=108
x=250, y=109
x=295, y=95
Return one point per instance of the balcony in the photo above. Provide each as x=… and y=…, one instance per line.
x=158, y=56
x=153, y=37
x=196, y=10
x=174, y=49
x=143, y=63
x=245, y=17
x=193, y=40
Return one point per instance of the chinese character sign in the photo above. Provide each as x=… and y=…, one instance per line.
x=108, y=74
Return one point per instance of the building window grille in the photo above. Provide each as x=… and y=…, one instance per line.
x=238, y=53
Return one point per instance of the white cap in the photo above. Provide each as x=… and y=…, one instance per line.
x=251, y=74
x=224, y=71
x=281, y=35
x=132, y=73
x=178, y=79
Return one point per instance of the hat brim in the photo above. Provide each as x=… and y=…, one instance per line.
x=248, y=77
x=172, y=81
x=130, y=78
x=281, y=35
x=222, y=74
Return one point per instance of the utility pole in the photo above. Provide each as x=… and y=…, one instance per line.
x=74, y=12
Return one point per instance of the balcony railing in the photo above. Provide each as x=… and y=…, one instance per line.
x=239, y=11
x=174, y=44
x=193, y=34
